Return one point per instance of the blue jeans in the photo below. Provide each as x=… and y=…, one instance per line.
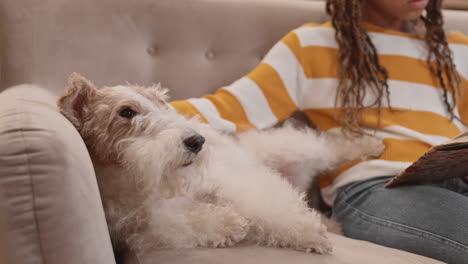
x=429, y=220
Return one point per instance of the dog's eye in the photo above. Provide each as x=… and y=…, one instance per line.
x=127, y=113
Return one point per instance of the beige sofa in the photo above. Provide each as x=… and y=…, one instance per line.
x=51, y=211
x=456, y=4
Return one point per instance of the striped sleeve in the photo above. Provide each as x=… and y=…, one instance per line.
x=463, y=101
x=265, y=96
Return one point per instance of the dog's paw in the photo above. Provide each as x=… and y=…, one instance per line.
x=232, y=228
x=370, y=146
x=322, y=247
x=306, y=233
x=218, y=226
x=314, y=239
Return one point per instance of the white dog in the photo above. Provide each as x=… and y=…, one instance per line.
x=170, y=182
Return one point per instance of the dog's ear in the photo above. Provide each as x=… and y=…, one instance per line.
x=159, y=92
x=76, y=98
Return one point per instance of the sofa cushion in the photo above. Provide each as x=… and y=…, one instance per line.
x=192, y=47
x=346, y=251
x=55, y=214
x=51, y=200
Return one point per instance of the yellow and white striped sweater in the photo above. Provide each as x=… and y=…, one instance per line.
x=300, y=73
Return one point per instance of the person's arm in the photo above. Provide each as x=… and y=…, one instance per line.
x=463, y=103
x=267, y=95
x=459, y=46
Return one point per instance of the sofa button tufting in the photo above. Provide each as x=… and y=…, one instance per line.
x=152, y=50
x=209, y=55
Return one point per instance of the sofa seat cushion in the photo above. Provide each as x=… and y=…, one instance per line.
x=346, y=251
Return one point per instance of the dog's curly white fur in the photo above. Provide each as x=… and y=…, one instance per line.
x=162, y=187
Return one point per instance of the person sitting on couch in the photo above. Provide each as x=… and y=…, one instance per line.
x=382, y=67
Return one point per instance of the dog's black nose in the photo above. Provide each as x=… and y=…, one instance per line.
x=194, y=143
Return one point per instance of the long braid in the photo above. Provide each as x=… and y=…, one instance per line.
x=440, y=58
x=359, y=65
x=360, y=71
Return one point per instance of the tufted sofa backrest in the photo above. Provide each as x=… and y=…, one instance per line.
x=190, y=46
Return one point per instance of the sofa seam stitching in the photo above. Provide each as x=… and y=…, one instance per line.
x=28, y=163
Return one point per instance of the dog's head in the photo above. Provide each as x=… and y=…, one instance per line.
x=130, y=126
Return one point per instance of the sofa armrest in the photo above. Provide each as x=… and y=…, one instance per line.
x=51, y=200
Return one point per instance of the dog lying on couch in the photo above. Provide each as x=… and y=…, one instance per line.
x=171, y=182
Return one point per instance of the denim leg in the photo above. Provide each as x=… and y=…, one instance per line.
x=457, y=185
x=429, y=220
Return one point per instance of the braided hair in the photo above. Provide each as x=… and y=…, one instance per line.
x=360, y=71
